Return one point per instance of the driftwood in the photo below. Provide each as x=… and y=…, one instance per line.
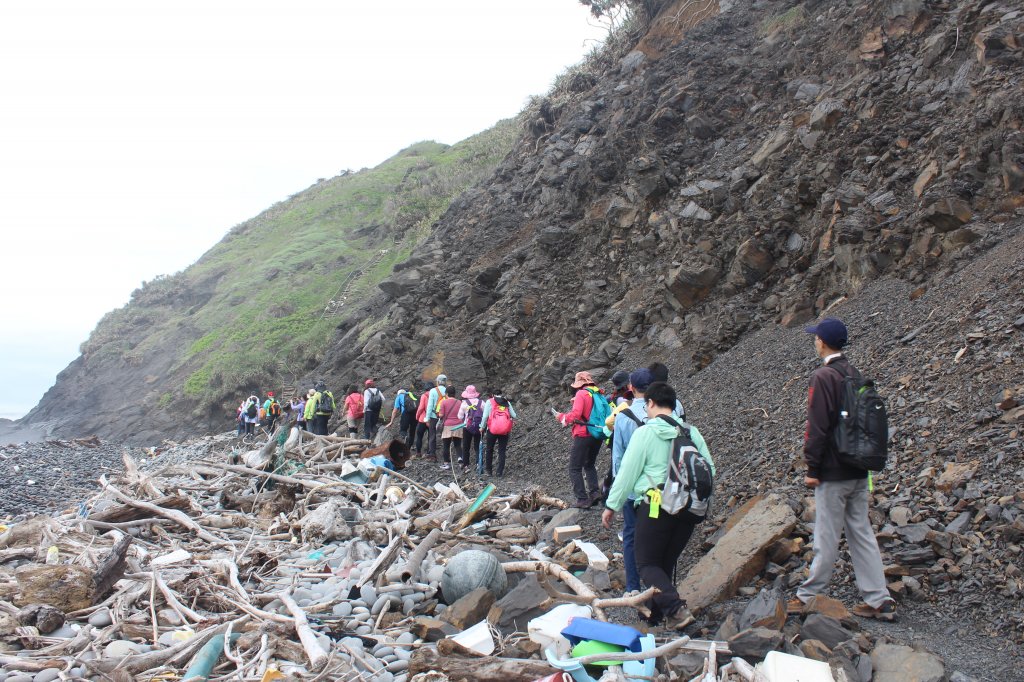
x=110, y=569
x=409, y=571
x=325, y=523
x=316, y=654
x=172, y=514
x=121, y=513
x=478, y=668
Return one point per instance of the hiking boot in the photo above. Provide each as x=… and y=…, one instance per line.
x=680, y=619
x=595, y=498
x=886, y=612
x=446, y=466
x=795, y=606
x=582, y=504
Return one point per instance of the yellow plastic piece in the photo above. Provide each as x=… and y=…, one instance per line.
x=655, y=497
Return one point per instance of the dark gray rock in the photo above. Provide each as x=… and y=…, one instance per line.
x=827, y=630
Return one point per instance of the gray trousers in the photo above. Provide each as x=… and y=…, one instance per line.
x=839, y=504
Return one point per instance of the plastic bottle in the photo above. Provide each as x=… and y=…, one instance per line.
x=52, y=555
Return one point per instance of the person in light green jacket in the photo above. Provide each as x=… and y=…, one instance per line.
x=660, y=537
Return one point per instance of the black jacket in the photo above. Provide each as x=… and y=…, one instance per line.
x=822, y=415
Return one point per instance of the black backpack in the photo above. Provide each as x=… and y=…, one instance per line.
x=409, y=404
x=376, y=401
x=861, y=435
x=252, y=411
x=326, y=403
x=689, y=481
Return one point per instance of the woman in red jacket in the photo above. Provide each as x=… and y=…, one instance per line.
x=585, y=447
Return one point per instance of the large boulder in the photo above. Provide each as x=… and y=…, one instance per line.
x=739, y=555
x=902, y=664
x=689, y=284
x=401, y=283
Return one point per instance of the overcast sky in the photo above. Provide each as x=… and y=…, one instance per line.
x=134, y=134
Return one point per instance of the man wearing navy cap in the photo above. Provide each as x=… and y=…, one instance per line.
x=840, y=490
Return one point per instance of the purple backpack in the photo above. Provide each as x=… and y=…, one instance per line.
x=474, y=414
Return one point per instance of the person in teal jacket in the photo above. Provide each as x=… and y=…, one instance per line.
x=660, y=537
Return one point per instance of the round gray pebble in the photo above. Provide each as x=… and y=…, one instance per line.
x=404, y=677
x=353, y=643
x=342, y=609
x=360, y=607
x=101, y=618
x=19, y=678
x=382, y=651
x=48, y=675
x=399, y=666
x=364, y=630
x=368, y=593
x=406, y=638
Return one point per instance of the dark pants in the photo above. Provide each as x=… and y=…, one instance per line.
x=629, y=546
x=250, y=428
x=370, y=420
x=582, y=461
x=271, y=423
x=421, y=430
x=320, y=424
x=407, y=429
x=502, y=442
x=659, y=542
x=241, y=426
x=301, y=423
x=470, y=447
x=450, y=446
x=432, y=438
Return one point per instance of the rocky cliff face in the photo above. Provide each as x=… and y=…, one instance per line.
x=752, y=170
x=738, y=165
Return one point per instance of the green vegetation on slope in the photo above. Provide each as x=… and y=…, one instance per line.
x=251, y=312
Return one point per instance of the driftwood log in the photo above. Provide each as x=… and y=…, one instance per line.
x=121, y=513
x=478, y=669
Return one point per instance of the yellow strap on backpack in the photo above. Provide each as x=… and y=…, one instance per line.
x=655, y=496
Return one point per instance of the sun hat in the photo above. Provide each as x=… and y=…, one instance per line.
x=470, y=392
x=582, y=379
x=441, y=378
x=368, y=382
x=831, y=331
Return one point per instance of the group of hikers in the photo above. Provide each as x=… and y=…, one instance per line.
x=470, y=428
x=661, y=473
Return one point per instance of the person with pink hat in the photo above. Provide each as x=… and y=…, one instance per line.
x=588, y=405
x=471, y=414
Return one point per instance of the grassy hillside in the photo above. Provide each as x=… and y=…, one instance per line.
x=255, y=311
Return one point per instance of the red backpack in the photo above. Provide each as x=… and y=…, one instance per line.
x=500, y=420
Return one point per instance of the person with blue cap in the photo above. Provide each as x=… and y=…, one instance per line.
x=840, y=490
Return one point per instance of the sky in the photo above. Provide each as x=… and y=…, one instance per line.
x=134, y=134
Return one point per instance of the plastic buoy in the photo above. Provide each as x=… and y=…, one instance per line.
x=469, y=570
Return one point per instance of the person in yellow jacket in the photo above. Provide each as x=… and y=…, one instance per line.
x=324, y=407
x=309, y=412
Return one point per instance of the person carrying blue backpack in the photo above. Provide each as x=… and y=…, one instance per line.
x=587, y=417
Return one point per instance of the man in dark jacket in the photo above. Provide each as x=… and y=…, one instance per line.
x=840, y=490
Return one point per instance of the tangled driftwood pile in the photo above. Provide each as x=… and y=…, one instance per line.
x=301, y=559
